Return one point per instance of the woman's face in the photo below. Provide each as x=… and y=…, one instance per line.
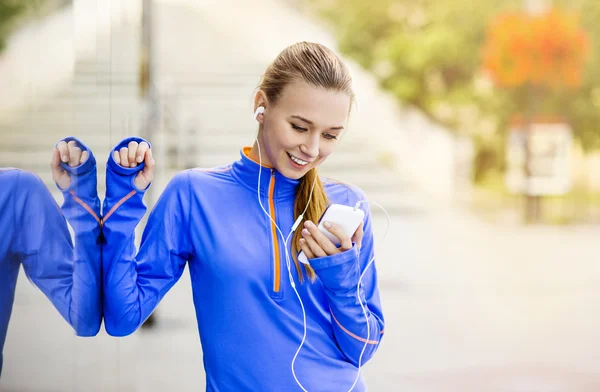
x=303, y=128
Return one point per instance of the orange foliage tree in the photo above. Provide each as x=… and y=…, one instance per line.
x=543, y=50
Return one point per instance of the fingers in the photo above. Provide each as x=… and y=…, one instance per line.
x=358, y=235
x=306, y=249
x=74, y=153
x=319, y=244
x=314, y=247
x=338, y=231
x=124, y=161
x=316, y=244
x=69, y=153
x=131, y=153
x=134, y=154
x=84, y=157
x=320, y=238
x=64, y=151
x=141, y=151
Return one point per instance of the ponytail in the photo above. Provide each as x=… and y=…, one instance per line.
x=318, y=205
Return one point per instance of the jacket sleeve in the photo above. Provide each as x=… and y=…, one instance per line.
x=340, y=275
x=134, y=283
x=81, y=207
x=44, y=245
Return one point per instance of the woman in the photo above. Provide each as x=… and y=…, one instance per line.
x=250, y=309
x=35, y=234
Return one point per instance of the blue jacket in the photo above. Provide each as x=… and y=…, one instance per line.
x=249, y=318
x=34, y=233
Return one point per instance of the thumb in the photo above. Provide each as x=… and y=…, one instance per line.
x=149, y=166
x=55, y=164
x=145, y=177
x=59, y=175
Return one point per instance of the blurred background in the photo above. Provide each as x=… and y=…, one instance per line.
x=477, y=128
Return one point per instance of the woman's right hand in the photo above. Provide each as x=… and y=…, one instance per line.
x=68, y=153
x=133, y=155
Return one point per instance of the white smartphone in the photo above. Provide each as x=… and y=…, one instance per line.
x=345, y=216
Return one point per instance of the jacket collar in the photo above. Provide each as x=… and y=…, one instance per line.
x=246, y=171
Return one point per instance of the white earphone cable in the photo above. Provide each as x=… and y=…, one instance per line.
x=288, y=264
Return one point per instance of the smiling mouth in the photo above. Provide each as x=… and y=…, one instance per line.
x=297, y=161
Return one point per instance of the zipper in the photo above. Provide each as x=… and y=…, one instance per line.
x=276, y=267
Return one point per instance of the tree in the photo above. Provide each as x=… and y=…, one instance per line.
x=537, y=59
x=428, y=54
x=10, y=10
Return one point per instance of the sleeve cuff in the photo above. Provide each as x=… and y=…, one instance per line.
x=321, y=263
x=77, y=171
x=86, y=166
x=127, y=171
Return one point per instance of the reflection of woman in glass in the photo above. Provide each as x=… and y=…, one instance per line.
x=35, y=235
x=250, y=319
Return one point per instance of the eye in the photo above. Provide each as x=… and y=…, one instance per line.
x=297, y=128
x=329, y=136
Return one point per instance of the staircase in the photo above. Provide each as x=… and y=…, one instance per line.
x=207, y=83
x=99, y=106
x=211, y=103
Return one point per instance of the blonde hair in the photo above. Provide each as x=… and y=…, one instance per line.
x=320, y=67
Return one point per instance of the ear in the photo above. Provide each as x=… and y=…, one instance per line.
x=260, y=99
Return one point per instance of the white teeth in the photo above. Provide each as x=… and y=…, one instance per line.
x=298, y=161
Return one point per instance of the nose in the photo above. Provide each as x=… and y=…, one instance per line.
x=311, y=146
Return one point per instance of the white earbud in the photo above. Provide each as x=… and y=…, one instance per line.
x=259, y=110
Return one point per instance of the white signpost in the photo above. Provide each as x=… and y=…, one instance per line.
x=549, y=159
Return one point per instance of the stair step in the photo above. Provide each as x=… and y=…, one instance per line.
x=39, y=161
x=57, y=121
x=91, y=102
x=118, y=131
x=91, y=90
x=45, y=141
x=105, y=78
x=408, y=203
x=85, y=116
x=209, y=78
x=366, y=179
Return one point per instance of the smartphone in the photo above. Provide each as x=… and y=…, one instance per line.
x=347, y=217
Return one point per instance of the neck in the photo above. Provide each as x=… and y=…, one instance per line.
x=253, y=154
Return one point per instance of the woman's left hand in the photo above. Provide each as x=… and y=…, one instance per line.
x=316, y=244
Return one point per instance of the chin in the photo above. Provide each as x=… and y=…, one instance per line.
x=293, y=174
x=285, y=167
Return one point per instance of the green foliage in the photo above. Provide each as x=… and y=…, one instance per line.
x=428, y=54
x=9, y=11
x=582, y=108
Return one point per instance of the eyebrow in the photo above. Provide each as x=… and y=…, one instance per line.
x=311, y=123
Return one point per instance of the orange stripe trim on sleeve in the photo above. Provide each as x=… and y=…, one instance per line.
x=85, y=206
x=123, y=200
x=351, y=334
